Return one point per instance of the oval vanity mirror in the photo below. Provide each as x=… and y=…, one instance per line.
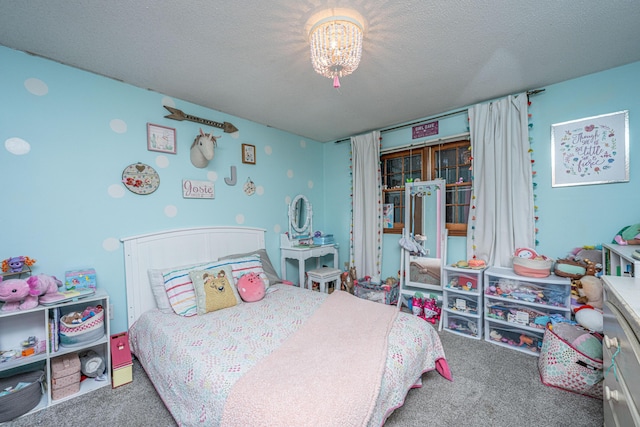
x=300, y=215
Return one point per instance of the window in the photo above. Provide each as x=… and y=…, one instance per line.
x=450, y=161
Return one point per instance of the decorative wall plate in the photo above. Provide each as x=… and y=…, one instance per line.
x=140, y=178
x=249, y=187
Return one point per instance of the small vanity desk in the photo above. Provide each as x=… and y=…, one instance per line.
x=304, y=253
x=301, y=227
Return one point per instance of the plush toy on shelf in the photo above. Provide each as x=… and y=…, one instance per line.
x=16, y=264
x=20, y=294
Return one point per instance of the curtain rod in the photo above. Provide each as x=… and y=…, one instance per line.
x=442, y=116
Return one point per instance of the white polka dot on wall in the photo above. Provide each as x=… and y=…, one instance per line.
x=235, y=135
x=168, y=102
x=239, y=219
x=118, y=125
x=303, y=143
x=277, y=228
x=162, y=162
x=36, y=86
x=290, y=173
x=287, y=200
x=171, y=211
x=259, y=190
x=310, y=184
x=212, y=176
x=116, y=191
x=268, y=150
x=17, y=146
x=111, y=244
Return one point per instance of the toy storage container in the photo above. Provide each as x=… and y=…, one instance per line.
x=463, y=325
x=372, y=291
x=19, y=402
x=462, y=301
x=65, y=376
x=520, y=314
x=518, y=307
x=526, y=341
x=84, y=332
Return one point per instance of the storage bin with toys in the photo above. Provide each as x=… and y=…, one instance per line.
x=82, y=327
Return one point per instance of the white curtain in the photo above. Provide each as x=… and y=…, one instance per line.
x=501, y=217
x=366, y=233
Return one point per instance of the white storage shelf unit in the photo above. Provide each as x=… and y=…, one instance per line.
x=619, y=261
x=18, y=326
x=462, y=301
x=516, y=308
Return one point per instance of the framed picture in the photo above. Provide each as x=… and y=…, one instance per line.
x=593, y=150
x=249, y=154
x=161, y=138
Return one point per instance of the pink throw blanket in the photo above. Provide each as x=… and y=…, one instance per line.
x=327, y=373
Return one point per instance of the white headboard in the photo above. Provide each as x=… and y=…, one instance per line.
x=173, y=248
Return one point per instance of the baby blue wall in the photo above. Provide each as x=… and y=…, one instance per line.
x=569, y=217
x=67, y=136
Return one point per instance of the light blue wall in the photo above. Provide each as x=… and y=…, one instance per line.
x=63, y=203
x=569, y=217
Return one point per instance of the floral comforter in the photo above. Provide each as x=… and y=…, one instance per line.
x=193, y=362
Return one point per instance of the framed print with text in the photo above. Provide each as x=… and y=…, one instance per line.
x=593, y=150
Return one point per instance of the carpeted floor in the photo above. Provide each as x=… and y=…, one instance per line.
x=492, y=386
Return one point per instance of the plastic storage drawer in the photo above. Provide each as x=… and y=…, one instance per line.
x=463, y=325
x=462, y=282
x=519, y=314
x=462, y=303
x=519, y=339
x=534, y=293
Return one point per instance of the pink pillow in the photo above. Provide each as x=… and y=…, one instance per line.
x=250, y=287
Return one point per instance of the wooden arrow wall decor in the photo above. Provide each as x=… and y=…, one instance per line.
x=180, y=116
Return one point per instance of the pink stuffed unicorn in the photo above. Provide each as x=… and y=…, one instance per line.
x=20, y=294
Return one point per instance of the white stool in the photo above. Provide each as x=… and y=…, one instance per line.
x=322, y=276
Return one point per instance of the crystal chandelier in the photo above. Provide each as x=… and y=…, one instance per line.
x=336, y=46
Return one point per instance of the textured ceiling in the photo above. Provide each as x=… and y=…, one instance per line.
x=251, y=58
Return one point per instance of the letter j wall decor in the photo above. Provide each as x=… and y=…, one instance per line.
x=593, y=150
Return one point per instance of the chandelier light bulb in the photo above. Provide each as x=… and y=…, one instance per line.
x=336, y=47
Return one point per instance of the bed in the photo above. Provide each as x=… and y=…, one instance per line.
x=295, y=357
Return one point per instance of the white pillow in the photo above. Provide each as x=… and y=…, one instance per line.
x=160, y=294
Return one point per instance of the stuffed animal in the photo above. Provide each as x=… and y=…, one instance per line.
x=16, y=264
x=590, y=291
x=251, y=287
x=590, y=318
x=19, y=294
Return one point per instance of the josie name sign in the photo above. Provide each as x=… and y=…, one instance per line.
x=192, y=189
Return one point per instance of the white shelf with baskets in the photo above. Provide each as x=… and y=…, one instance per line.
x=18, y=326
x=462, y=301
x=515, y=307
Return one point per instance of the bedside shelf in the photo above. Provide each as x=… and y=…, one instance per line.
x=16, y=326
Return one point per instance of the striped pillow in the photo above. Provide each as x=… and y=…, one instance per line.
x=179, y=287
x=248, y=264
